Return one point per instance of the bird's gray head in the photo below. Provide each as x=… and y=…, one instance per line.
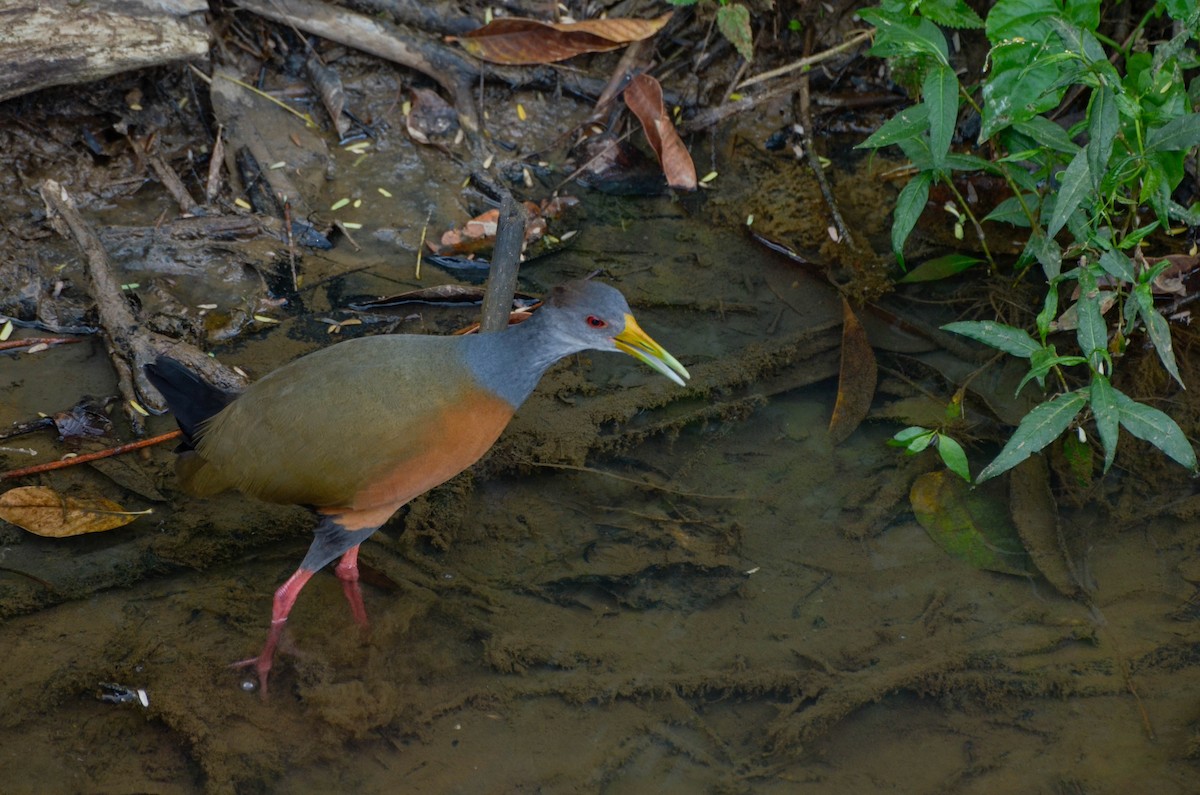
x=588, y=315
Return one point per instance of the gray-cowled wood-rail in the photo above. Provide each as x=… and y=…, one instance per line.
x=358, y=429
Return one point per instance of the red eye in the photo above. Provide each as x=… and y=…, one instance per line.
x=595, y=322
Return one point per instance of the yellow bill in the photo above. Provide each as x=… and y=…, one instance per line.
x=638, y=344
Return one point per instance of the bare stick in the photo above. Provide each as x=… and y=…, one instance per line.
x=83, y=459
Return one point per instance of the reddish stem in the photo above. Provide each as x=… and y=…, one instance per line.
x=83, y=459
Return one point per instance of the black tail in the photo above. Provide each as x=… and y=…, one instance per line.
x=191, y=399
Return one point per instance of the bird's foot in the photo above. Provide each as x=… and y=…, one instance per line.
x=263, y=662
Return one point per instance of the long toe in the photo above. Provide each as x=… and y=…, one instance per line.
x=262, y=666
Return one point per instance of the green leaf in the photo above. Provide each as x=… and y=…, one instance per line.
x=1092, y=332
x=1177, y=135
x=1074, y=186
x=903, y=437
x=1103, y=400
x=1014, y=92
x=1078, y=40
x=940, y=93
x=1151, y=425
x=734, y=23
x=909, y=206
x=1010, y=210
x=961, y=161
x=1188, y=215
x=954, y=457
x=919, y=442
x=1157, y=328
x=917, y=150
x=1135, y=237
x=1042, y=362
x=1047, y=252
x=1010, y=19
x=1156, y=185
x=1085, y=14
x=905, y=34
x=1049, y=310
x=1103, y=123
x=908, y=123
x=951, y=14
x=1040, y=427
x=1118, y=265
x=941, y=268
x=1008, y=339
x=1047, y=133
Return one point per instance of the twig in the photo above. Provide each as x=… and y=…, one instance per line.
x=814, y=161
x=809, y=60
x=8, y=345
x=83, y=459
x=645, y=484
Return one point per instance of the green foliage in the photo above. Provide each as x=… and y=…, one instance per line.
x=733, y=20
x=915, y=439
x=734, y=23
x=1081, y=192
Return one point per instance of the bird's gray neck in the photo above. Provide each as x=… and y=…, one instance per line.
x=510, y=363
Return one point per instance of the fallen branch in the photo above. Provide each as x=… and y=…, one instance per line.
x=450, y=69
x=9, y=345
x=858, y=38
x=129, y=345
x=85, y=457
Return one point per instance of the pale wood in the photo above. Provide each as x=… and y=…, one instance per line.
x=58, y=42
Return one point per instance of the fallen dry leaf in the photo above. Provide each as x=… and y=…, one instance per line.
x=514, y=40
x=856, y=381
x=644, y=97
x=333, y=96
x=45, y=512
x=479, y=234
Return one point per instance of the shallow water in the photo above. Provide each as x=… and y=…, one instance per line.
x=642, y=590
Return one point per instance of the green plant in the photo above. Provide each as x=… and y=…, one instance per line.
x=916, y=439
x=1137, y=127
x=733, y=20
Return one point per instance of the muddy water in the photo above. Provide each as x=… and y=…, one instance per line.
x=641, y=590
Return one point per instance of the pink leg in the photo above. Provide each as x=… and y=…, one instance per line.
x=347, y=572
x=285, y=598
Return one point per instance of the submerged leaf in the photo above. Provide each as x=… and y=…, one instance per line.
x=45, y=512
x=940, y=268
x=968, y=524
x=856, y=381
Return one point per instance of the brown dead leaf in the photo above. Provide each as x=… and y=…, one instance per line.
x=856, y=381
x=644, y=97
x=479, y=234
x=329, y=87
x=1170, y=281
x=45, y=512
x=514, y=40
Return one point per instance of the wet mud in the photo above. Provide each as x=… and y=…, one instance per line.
x=641, y=588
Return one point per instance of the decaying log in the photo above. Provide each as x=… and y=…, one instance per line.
x=58, y=42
